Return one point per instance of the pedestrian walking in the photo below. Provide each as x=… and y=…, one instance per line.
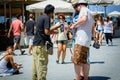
x=62, y=39
x=82, y=40
x=42, y=35
x=99, y=29
x=74, y=20
x=17, y=27
x=108, y=31
x=29, y=32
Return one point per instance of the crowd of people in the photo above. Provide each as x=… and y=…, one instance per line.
x=80, y=32
x=103, y=29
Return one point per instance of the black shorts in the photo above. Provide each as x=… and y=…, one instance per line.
x=17, y=39
x=62, y=41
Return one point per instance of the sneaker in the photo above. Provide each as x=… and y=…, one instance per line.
x=111, y=43
x=107, y=45
x=22, y=52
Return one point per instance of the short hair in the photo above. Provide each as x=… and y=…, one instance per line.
x=49, y=9
x=30, y=15
x=9, y=47
x=62, y=15
x=18, y=16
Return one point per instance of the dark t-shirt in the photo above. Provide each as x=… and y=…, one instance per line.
x=40, y=37
x=30, y=27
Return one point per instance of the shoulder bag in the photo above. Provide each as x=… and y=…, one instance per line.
x=49, y=48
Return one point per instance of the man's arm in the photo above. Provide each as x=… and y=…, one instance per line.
x=10, y=30
x=22, y=27
x=25, y=31
x=52, y=30
x=15, y=66
x=34, y=28
x=82, y=20
x=9, y=58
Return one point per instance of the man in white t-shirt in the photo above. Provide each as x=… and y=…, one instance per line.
x=83, y=35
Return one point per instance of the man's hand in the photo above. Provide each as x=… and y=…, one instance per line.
x=57, y=25
x=8, y=35
x=18, y=67
x=56, y=31
x=73, y=26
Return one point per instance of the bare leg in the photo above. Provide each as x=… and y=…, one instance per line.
x=59, y=51
x=77, y=71
x=86, y=68
x=97, y=36
x=101, y=38
x=81, y=71
x=29, y=49
x=15, y=45
x=22, y=52
x=64, y=52
x=19, y=47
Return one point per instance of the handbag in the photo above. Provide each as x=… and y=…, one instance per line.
x=96, y=45
x=80, y=54
x=49, y=48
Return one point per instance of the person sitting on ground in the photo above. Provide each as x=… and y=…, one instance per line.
x=7, y=64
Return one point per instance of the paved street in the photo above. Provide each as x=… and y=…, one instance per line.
x=105, y=65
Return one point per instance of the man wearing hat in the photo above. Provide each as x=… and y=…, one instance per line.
x=83, y=36
x=74, y=19
x=75, y=16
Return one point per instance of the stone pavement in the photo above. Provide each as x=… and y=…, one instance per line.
x=105, y=65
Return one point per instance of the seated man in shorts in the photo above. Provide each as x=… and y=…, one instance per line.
x=7, y=64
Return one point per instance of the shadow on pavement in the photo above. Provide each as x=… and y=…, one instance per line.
x=68, y=62
x=110, y=45
x=99, y=78
x=22, y=54
x=97, y=62
x=113, y=45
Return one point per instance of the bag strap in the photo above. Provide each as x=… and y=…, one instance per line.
x=47, y=42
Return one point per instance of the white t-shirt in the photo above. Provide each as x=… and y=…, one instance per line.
x=108, y=27
x=84, y=31
x=62, y=32
x=100, y=26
